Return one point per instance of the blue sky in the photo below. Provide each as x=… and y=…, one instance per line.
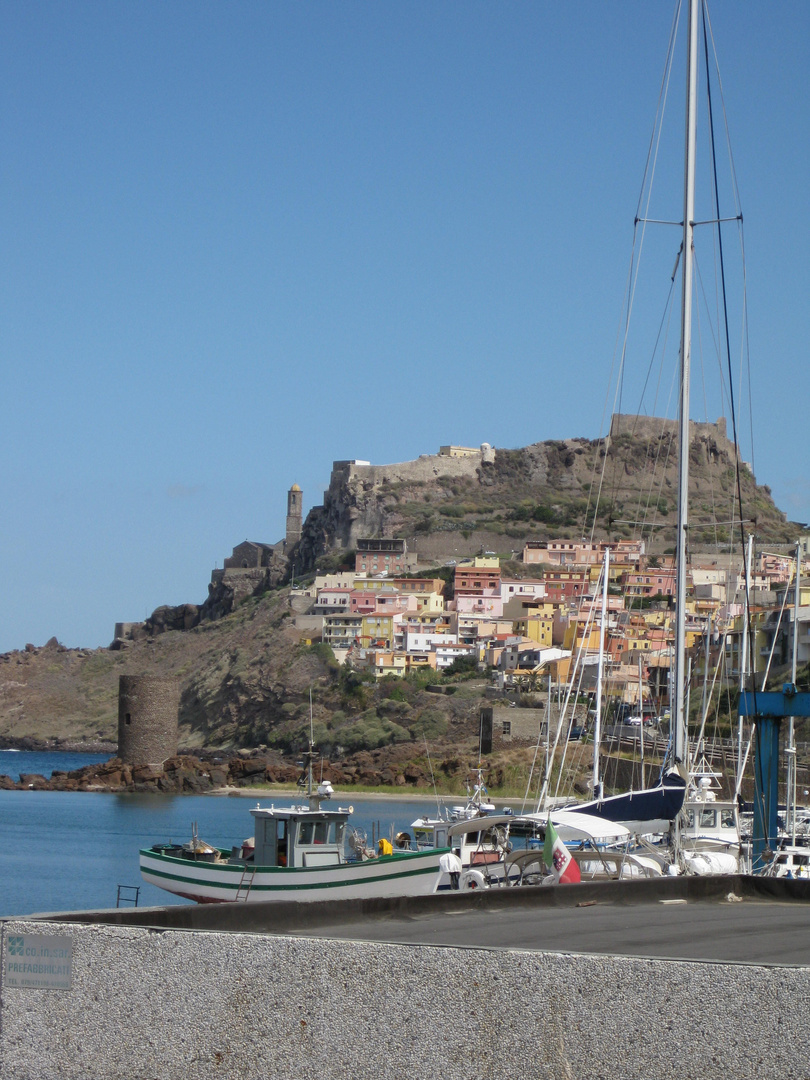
x=228, y=230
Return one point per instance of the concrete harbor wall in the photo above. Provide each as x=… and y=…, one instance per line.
x=165, y=1003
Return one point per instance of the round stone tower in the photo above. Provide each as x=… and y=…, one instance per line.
x=147, y=719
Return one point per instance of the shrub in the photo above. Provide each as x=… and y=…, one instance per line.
x=369, y=732
x=462, y=665
x=430, y=724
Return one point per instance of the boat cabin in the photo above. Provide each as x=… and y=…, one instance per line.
x=477, y=841
x=299, y=836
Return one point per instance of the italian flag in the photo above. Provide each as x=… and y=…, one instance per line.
x=558, y=859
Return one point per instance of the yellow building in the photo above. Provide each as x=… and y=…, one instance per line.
x=536, y=628
x=377, y=630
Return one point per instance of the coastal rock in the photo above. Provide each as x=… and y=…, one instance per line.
x=34, y=781
x=244, y=768
x=145, y=774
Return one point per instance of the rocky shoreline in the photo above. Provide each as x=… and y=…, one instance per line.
x=186, y=774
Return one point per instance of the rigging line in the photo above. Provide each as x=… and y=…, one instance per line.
x=606, y=440
x=648, y=176
x=776, y=633
x=669, y=308
x=615, y=484
x=669, y=441
x=747, y=608
x=662, y=440
x=614, y=487
x=664, y=322
x=714, y=523
x=746, y=352
x=579, y=665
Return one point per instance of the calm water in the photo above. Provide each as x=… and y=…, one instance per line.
x=14, y=762
x=66, y=851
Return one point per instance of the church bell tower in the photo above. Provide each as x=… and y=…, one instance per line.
x=295, y=515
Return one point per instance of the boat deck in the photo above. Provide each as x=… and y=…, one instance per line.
x=766, y=922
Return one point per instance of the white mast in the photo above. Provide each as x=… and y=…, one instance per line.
x=597, y=729
x=679, y=714
x=744, y=664
x=790, y=794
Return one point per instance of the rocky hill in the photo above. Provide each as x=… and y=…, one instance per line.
x=624, y=485
x=245, y=672
x=245, y=682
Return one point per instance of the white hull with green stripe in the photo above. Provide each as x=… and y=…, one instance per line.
x=296, y=853
x=401, y=874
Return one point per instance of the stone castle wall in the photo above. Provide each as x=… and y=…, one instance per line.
x=425, y=468
x=652, y=427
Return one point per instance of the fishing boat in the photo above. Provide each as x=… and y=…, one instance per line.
x=296, y=853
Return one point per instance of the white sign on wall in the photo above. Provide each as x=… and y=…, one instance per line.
x=38, y=961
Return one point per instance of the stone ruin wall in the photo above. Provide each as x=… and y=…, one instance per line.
x=652, y=427
x=350, y=509
x=424, y=469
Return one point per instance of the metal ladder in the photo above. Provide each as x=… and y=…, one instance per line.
x=245, y=884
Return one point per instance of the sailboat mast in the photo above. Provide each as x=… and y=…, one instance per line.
x=597, y=726
x=679, y=712
x=790, y=794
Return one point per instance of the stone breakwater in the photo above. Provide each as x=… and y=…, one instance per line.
x=189, y=775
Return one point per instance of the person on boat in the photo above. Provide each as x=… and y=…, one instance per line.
x=450, y=864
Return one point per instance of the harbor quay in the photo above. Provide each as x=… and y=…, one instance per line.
x=680, y=977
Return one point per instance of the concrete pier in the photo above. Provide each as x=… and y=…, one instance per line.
x=486, y=986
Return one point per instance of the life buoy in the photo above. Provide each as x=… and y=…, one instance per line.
x=473, y=879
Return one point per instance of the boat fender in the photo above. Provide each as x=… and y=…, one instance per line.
x=403, y=840
x=473, y=879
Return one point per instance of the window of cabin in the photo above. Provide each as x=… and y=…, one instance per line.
x=305, y=832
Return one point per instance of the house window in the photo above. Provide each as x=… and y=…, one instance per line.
x=507, y=727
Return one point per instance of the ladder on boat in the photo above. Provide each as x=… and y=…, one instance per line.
x=245, y=884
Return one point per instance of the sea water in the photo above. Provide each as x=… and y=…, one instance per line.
x=14, y=762
x=69, y=851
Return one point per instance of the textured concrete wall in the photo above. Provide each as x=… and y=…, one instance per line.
x=147, y=719
x=164, y=1004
